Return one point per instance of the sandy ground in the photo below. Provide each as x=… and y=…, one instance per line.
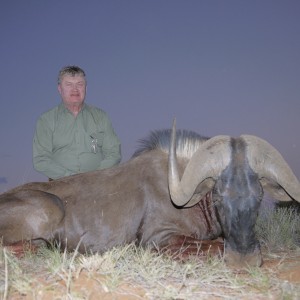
x=285, y=269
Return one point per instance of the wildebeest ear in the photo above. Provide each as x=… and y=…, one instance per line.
x=202, y=189
x=275, y=190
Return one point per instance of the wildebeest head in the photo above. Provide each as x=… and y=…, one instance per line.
x=236, y=171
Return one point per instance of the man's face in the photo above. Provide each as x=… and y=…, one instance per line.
x=72, y=89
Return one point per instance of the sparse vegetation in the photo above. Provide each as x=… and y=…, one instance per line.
x=279, y=229
x=130, y=272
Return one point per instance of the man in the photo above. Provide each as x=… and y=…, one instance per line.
x=74, y=137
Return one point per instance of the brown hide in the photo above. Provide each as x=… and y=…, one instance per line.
x=216, y=185
x=102, y=209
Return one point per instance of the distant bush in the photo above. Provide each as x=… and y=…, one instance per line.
x=279, y=228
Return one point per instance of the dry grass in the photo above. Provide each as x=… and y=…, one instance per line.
x=279, y=229
x=130, y=272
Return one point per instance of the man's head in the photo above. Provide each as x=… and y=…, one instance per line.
x=72, y=86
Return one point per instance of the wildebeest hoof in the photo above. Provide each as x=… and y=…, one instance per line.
x=238, y=261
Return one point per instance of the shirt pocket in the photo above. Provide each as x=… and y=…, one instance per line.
x=97, y=141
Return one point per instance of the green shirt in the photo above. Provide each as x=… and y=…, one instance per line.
x=64, y=145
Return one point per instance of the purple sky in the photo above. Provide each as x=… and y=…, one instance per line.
x=220, y=67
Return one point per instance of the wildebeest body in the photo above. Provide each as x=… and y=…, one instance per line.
x=127, y=203
x=211, y=188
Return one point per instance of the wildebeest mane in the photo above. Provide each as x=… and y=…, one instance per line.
x=187, y=142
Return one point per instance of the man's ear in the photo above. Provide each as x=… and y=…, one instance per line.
x=59, y=88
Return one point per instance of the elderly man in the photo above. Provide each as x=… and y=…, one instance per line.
x=74, y=137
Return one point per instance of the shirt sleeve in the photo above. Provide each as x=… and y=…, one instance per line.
x=111, y=146
x=42, y=151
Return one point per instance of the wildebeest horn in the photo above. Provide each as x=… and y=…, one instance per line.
x=204, y=167
x=275, y=174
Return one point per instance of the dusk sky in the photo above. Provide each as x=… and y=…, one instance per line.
x=219, y=67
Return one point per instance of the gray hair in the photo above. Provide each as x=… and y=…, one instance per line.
x=71, y=71
x=187, y=142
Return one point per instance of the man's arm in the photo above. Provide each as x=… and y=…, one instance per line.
x=42, y=152
x=111, y=146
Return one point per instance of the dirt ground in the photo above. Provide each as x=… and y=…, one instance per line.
x=93, y=286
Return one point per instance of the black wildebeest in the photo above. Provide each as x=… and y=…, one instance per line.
x=176, y=185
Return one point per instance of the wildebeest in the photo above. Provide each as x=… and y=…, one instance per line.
x=178, y=184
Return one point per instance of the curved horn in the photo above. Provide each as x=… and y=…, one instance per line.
x=268, y=163
x=208, y=161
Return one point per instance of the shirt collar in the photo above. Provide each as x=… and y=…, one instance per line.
x=62, y=108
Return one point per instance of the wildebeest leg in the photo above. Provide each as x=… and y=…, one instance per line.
x=30, y=216
x=181, y=247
